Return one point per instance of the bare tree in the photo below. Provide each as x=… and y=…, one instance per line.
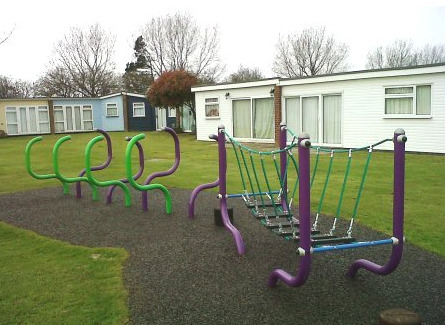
x=430, y=54
x=56, y=83
x=10, y=88
x=310, y=53
x=177, y=43
x=375, y=59
x=402, y=53
x=83, y=63
x=245, y=74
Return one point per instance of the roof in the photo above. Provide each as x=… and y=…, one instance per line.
x=73, y=98
x=350, y=75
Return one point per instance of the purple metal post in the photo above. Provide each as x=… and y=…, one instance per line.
x=141, y=156
x=221, y=181
x=223, y=191
x=283, y=171
x=164, y=173
x=201, y=187
x=102, y=166
x=304, y=218
x=398, y=214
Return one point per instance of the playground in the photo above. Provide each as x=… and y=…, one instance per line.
x=182, y=270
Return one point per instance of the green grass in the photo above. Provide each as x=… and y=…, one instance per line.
x=36, y=271
x=45, y=281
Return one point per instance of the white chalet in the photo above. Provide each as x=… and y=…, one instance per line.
x=347, y=110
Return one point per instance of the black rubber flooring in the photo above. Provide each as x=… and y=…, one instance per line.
x=183, y=271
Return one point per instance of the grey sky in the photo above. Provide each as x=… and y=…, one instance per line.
x=249, y=30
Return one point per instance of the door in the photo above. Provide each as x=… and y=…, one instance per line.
x=161, y=118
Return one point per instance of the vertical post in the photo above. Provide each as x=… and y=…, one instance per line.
x=398, y=214
x=305, y=223
x=223, y=191
x=283, y=171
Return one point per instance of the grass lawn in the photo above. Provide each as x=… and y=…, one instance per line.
x=30, y=263
x=45, y=281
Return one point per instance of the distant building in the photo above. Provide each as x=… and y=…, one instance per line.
x=348, y=110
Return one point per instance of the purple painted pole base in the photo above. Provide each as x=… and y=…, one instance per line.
x=388, y=268
x=293, y=281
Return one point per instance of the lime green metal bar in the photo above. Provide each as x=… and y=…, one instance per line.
x=56, y=147
x=39, y=176
x=93, y=180
x=129, y=175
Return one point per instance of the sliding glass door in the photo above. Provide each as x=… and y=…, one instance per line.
x=320, y=116
x=253, y=118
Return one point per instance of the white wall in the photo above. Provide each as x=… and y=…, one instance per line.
x=363, y=118
x=207, y=126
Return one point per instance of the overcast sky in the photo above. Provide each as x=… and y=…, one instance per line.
x=249, y=30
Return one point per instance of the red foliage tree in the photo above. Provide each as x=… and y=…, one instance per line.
x=173, y=89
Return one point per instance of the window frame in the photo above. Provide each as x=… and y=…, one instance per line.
x=170, y=112
x=412, y=95
x=252, y=100
x=133, y=109
x=63, y=109
x=107, y=109
x=211, y=103
x=36, y=109
x=320, y=115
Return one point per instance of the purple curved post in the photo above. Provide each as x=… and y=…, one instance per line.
x=173, y=168
x=195, y=193
x=305, y=223
x=398, y=214
x=102, y=166
x=200, y=188
x=223, y=191
x=141, y=157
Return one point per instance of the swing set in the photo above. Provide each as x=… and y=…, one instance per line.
x=269, y=190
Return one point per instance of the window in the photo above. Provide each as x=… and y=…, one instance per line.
x=211, y=107
x=73, y=118
x=172, y=112
x=87, y=117
x=111, y=109
x=138, y=109
x=320, y=116
x=44, y=119
x=253, y=118
x=27, y=120
x=12, y=121
x=408, y=101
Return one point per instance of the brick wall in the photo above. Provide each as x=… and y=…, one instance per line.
x=277, y=111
